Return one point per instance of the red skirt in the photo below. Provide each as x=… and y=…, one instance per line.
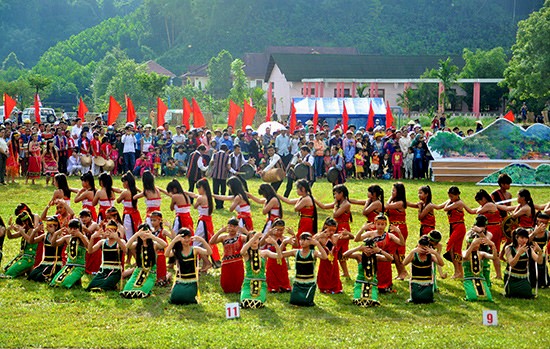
x=35, y=167
x=458, y=231
x=425, y=229
x=185, y=221
x=92, y=210
x=208, y=226
x=401, y=250
x=328, y=276
x=161, y=265
x=305, y=225
x=246, y=220
x=232, y=276
x=384, y=275
x=134, y=216
x=496, y=230
x=93, y=260
x=276, y=275
x=39, y=254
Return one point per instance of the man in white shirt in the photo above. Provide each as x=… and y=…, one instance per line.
x=302, y=157
x=282, y=144
x=129, y=150
x=77, y=128
x=3, y=155
x=178, y=139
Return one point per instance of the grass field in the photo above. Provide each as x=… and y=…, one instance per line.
x=34, y=315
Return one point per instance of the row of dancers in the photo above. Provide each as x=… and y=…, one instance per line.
x=63, y=249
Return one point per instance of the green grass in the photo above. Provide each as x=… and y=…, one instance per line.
x=35, y=315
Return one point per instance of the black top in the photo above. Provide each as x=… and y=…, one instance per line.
x=422, y=270
x=112, y=255
x=305, y=266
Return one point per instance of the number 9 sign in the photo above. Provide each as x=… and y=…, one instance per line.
x=490, y=318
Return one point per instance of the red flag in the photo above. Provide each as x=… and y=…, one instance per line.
x=82, y=110
x=198, y=118
x=269, y=101
x=370, y=121
x=37, y=108
x=9, y=104
x=389, y=115
x=292, y=124
x=161, y=111
x=248, y=115
x=130, y=110
x=186, y=113
x=345, y=118
x=234, y=111
x=510, y=116
x=114, y=110
x=315, y=118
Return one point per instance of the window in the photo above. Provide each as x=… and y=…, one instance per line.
x=312, y=91
x=259, y=83
x=381, y=93
x=347, y=92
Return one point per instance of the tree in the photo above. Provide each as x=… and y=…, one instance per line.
x=219, y=74
x=152, y=85
x=485, y=64
x=447, y=73
x=528, y=73
x=240, y=90
x=39, y=82
x=405, y=100
x=125, y=82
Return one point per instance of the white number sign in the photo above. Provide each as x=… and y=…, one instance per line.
x=490, y=318
x=232, y=310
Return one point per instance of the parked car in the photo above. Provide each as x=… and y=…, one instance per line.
x=46, y=115
x=13, y=116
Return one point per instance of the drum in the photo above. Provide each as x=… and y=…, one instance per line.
x=273, y=175
x=247, y=171
x=301, y=171
x=99, y=161
x=509, y=224
x=86, y=160
x=332, y=175
x=109, y=165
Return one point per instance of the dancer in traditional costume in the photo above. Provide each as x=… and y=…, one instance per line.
x=342, y=215
x=538, y=273
x=87, y=193
x=13, y=164
x=374, y=205
x=524, y=211
x=239, y=202
x=2, y=235
x=76, y=243
x=157, y=227
x=365, y=290
x=112, y=247
x=422, y=282
x=385, y=241
x=93, y=233
x=233, y=238
x=476, y=282
x=49, y=161
x=271, y=205
x=106, y=195
x=62, y=190
x=396, y=211
x=145, y=246
x=254, y=288
x=186, y=287
x=52, y=260
x=151, y=193
x=181, y=204
x=277, y=269
x=131, y=217
x=303, y=288
x=305, y=205
x=518, y=256
x=35, y=161
x=425, y=209
x=24, y=261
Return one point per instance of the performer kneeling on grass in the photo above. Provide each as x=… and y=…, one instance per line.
x=365, y=291
x=277, y=270
x=435, y=237
x=387, y=242
x=475, y=281
x=24, y=261
x=113, y=248
x=186, y=287
x=303, y=289
x=422, y=258
x=254, y=287
x=538, y=273
x=518, y=256
x=145, y=244
x=52, y=262
x=232, y=275
x=76, y=242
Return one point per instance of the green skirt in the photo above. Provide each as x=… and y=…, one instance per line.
x=365, y=294
x=106, y=280
x=477, y=289
x=44, y=272
x=515, y=287
x=68, y=276
x=253, y=293
x=184, y=293
x=140, y=284
x=303, y=294
x=421, y=293
x=19, y=265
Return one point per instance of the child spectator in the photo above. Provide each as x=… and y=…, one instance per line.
x=359, y=162
x=408, y=163
x=157, y=161
x=397, y=162
x=327, y=160
x=418, y=160
x=170, y=169
x=142, y=164
x=180, y=158
x=374, y=164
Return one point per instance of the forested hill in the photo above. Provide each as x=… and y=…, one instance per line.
x=30, y=27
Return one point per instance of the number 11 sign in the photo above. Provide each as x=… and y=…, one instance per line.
x=232, y=310
x=490, y=318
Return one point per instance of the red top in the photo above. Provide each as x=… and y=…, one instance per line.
x=396, y=216
x=307, y=212
x=372, y=216
x=343, y=221
x=96, y=147
x=428, y=220
x=455, y=216
x=232, y=248
x=493, y=218
x=525, y=221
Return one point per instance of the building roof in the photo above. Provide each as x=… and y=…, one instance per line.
x=256, y=63
x=154, y=67
x=196, y=71
x=296, y=67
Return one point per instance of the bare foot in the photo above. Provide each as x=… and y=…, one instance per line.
x=444, y=275
x=205, y=267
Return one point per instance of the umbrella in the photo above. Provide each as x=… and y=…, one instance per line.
x=273, y=125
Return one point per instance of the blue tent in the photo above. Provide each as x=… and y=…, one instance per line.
x=330, y=109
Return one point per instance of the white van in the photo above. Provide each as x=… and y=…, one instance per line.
x=46, y=115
